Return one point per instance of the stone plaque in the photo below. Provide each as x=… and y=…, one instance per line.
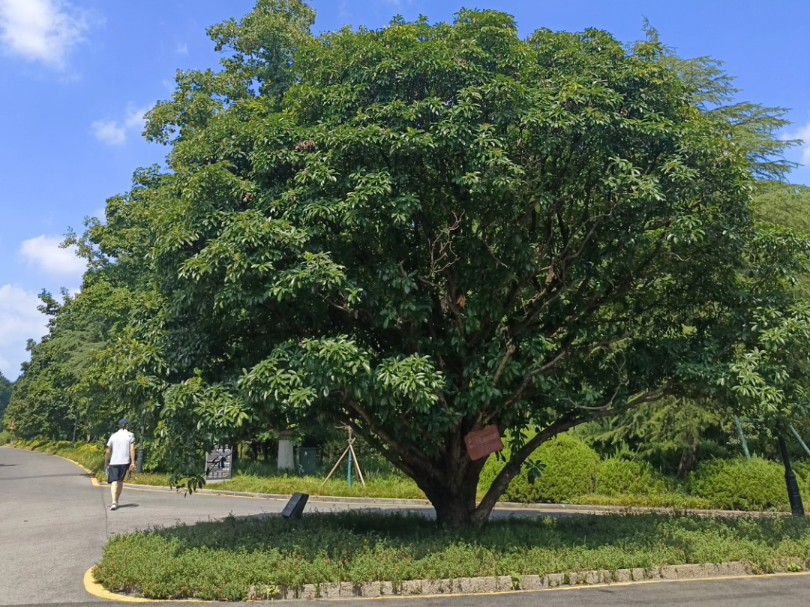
x=218, y=464
x=483, y=442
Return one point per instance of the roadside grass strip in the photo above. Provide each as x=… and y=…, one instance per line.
x=262, y=558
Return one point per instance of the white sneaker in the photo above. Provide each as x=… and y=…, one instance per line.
x=114, y=507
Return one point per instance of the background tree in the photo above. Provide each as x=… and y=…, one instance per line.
x=671, y=434
x=5, y=393
x=675, y=434
x=40, y=404
x=51, y=399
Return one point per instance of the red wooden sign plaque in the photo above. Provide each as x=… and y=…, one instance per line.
x=483, y=442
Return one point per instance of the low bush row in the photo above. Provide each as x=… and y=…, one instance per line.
x=566, y=470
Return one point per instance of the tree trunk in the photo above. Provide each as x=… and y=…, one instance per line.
x=689, y=460
x=234, y=457
x=453, y=511
x=454, y=497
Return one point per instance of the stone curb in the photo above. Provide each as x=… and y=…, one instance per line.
x=504, y=584
x=494, y=585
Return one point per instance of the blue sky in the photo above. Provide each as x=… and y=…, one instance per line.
x=77, y=75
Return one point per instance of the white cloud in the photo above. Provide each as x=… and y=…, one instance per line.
x=109, y=132
x=136, y=118
x=804, y=134
x=181, y=49
x=113, y=132
x=41, y=30
x=44, y=253
x=19, y=321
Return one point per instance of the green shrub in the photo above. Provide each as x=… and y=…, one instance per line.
x=568, y=468
x=618, y=476
x=5, y=437
x=741, y=484
x=90, y=456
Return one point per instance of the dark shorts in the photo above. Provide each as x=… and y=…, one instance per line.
x=116, y=473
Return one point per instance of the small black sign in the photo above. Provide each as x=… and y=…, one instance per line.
x=295, y=507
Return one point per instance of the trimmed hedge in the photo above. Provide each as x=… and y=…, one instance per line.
x=572, y=473
x=569, y=468
x=741, y=484
x=619, y=476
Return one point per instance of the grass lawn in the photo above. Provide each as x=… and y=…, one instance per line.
x=223, y=561
x=381, y=486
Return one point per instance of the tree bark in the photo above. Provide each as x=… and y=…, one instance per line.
x=689, y=459
x=454, y=499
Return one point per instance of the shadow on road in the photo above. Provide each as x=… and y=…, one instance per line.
x=25, y=478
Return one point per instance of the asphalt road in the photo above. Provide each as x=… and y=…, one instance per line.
x=54, y=525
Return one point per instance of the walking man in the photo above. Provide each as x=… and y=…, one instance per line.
x=120, y=459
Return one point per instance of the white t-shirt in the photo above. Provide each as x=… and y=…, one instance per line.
x=120, y=442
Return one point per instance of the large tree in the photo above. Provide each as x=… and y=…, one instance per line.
x=424, y=230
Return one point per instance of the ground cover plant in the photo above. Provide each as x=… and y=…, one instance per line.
x=230, y=560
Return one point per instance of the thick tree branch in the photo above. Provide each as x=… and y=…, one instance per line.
x=510, y=351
